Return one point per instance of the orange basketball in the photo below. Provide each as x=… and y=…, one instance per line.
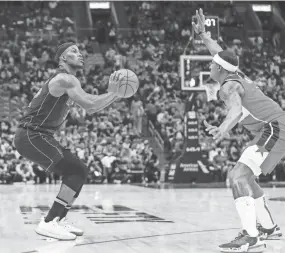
x=129, y=84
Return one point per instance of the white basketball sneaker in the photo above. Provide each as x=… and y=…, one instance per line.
x=54, y=229
x=69, y=226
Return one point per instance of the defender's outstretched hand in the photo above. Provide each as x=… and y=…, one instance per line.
x=200, y=26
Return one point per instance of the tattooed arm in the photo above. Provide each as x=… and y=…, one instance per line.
x=231, y=93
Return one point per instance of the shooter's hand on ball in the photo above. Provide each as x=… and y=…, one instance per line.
x=199, y=28
x=114, y=82
x=217, y=133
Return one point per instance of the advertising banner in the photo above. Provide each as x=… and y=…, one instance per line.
x=189, y=167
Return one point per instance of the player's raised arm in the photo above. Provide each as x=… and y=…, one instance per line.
x=199, y=28
x=69, y=84
x=231, y=93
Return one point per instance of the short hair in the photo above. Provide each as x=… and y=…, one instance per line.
x=61, y=49
x=229, y=57
x=227, y=60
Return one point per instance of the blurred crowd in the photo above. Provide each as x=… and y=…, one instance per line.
x=111, y=142
x=155, y=56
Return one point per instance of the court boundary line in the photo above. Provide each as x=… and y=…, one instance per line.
x=141, y=237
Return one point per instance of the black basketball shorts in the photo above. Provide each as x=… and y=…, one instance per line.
x=39, y=148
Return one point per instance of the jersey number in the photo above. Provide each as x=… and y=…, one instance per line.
x=38, y=93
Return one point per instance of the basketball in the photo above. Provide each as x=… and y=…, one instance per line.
x=129, y=84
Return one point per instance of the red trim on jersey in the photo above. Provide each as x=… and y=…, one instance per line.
x=267, y=133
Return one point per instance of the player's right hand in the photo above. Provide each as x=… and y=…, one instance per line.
x=200, y=26
x=114, y=82
x=215, y=132
x=208, y=126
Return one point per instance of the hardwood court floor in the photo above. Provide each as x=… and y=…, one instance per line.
x=129, y=219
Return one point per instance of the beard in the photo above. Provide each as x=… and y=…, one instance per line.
x=76, y=65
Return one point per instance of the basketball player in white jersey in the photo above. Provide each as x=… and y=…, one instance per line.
x=249, y=107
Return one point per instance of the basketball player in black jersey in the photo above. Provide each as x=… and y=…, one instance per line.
x=34, y=136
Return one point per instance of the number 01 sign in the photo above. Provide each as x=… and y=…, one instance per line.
x=212, y=28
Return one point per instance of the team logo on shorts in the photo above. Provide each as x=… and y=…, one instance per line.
x=261, y=150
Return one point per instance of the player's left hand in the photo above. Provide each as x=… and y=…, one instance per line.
x=114, y=82
x=200, y=26
x=217, y=133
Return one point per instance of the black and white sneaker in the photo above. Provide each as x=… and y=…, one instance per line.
x=244, y=243
x=269, y=234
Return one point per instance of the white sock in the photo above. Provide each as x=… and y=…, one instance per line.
x=246, y=210
x=263, y=214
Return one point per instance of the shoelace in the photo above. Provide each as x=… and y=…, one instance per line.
x=240, y=235
x=55, y=224
x=258, y=226
x=68, y=223
x=260, y=229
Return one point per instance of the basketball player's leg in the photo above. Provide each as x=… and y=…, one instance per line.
x=69, y=205
x=242, y=180
x=269, y=149
x=74, y=174
x=263, y=214
x=48, y=153
x=252, y=163
x=244, y=189
x=45, y=152
x=268, y=228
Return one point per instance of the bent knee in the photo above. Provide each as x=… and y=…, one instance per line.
x=81, y=171
x=72, y=166
x=240, y=172
x=241, y=187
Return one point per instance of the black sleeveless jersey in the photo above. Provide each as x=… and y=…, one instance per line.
x=46, y=113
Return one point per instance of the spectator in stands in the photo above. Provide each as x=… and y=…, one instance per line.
x=39, y=174
x=136, y=169
x=96, y=169
x=24, y=172
x=152, y=173
x=107, y=161
x=119, y=173
x=137, y=112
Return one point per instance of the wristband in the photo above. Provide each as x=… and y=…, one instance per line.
x=201, y=32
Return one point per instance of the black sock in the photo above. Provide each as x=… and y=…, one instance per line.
x=56, y=211
x=64, y=197
x=65, y=211
x=67, y=208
